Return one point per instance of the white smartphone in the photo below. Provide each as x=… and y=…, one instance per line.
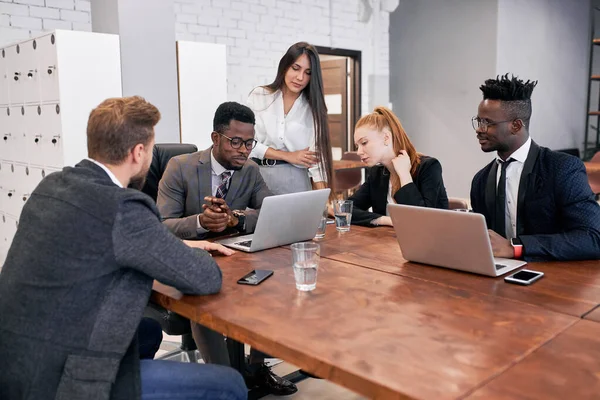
x=524, y=277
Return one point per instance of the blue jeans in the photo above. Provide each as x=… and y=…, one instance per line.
x=190, y=381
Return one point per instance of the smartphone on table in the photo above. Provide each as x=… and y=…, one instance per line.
x=524, y=277
x=255, y=277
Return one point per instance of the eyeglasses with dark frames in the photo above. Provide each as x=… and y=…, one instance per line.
x=237, y=142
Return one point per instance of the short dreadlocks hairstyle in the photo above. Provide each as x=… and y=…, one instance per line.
x=514, y=94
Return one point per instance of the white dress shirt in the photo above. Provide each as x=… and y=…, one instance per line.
x=108, y=172
x=292, y=132
x=390, y=197
x=217, y=170
x=513, y=177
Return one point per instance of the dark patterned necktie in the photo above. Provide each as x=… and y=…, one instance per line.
x=223, y=187
x=501, y=199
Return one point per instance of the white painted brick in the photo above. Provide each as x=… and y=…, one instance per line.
x=239, y=52
x=259, y=9
x=74, y=16
x=268, y=3
x=227, y=23
x=196, y=29
x=186, y=36
x=245, y=26
x=238, y=5
x=30, y=2
x=26, y=22
x=226, y=4
x=236, y=33
x=284, y=5
x=250, y=17
x=217, y=31
x=82, y=26
x=14, y=9
x=234, y=14
x=51, y=24
x=83, y=5
x=177, y=8
x=187, y=18
x=179, y=27
x=276, y=12
x=44, y=12
x=205, y=38
x=4, y=20
x=190, y=8
x=225, y=40
x=65, y=4
x=208, y=20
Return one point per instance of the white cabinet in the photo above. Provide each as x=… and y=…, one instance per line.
x=48, y=86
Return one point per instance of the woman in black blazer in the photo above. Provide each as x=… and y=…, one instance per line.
x=399, y=174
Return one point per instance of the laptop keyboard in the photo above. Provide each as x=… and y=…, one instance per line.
x=499, y=266
x=245, y=243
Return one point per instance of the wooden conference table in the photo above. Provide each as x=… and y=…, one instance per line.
x=387, y=328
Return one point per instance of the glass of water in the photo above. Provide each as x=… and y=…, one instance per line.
x=322, y=225
x=342, y=209
x=305, y=257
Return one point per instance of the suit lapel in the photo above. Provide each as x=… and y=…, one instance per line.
x=204, y=176
x=526, y=176
x=234, y=185
x=490, y=194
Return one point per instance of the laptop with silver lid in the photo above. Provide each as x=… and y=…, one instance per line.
x=449, y=239
x=282, y=220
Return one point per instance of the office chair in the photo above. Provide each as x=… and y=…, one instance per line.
x=457, y=203
x=171, y=323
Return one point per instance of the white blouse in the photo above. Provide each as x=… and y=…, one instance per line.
x=274, y=129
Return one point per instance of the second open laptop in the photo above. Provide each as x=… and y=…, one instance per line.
x=283, y=219
x=449, y=239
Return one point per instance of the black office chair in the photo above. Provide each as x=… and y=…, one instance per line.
x=171, y=323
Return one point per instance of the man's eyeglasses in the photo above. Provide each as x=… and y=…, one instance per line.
x=237, y=142
x=483, y=124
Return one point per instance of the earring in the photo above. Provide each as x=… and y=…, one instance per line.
x=385, y=143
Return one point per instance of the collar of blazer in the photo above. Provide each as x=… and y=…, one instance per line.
x=204, y=175
x=490, y=189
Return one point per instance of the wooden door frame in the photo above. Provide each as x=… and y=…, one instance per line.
x=355, y=57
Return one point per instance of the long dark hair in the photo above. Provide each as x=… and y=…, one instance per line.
x=313, y=93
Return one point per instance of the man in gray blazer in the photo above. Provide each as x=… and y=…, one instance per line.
x=218, y=189
x=213, y=192
x=79, y=273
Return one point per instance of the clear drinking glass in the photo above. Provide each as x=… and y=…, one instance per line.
x=322, y=225
x=342, y=209
x=305, y=258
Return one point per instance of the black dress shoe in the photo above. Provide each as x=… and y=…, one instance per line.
x=275, y=385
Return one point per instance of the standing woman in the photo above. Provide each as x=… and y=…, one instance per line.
x=399, y=175
x=291, y=125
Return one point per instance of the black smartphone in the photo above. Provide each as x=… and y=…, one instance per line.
x=524, y=277
x=255, y=277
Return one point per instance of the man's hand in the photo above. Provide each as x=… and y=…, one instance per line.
x=216, y=215
x=501, y=246
x=209, y=246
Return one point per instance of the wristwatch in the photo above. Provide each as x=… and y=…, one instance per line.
x=241, y=226
x=517, y=247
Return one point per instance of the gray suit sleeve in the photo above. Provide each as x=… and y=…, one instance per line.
x=171, y=202
x=142, y=243
x=259, y=192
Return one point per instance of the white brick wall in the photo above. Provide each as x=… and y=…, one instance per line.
x=258, y=32
x=21, y=19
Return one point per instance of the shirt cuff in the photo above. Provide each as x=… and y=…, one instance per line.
x=259, y=151
x=199, y=228
x=315, y=174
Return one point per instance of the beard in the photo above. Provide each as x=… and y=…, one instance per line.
x=138, y=181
